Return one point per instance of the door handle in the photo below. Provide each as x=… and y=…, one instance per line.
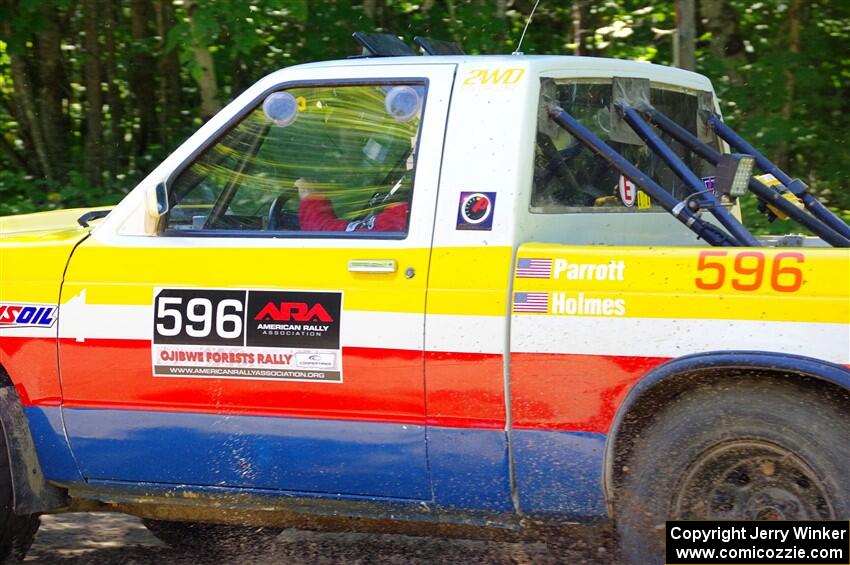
x=372, y=266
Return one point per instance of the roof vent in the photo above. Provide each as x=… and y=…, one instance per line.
x=383, y=45
x=438, y=46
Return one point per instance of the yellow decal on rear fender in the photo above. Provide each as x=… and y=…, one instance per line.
x=796, y=285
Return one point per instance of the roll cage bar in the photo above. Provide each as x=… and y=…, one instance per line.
x=631, y=106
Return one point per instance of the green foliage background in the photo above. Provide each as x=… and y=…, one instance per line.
x=788, y=93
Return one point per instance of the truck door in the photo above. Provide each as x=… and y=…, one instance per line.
x=271, y=335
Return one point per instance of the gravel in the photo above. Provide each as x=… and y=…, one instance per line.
x=106, y=538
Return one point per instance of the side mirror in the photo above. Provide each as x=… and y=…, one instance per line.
x=156, y=206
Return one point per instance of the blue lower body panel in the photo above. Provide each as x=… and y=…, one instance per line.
x=305, y=455
x=559, y=474
x=48, y=435
x=470, y=469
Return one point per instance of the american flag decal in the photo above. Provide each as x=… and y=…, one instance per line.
x=534, y=268
x=531, y=302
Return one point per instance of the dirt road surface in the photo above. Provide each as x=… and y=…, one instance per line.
x=105, y=538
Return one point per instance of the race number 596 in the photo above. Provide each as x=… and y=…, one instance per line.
x=182, y=316
x=750, y=270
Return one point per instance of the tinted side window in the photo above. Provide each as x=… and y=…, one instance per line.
x=318, y=159
x=569, y=177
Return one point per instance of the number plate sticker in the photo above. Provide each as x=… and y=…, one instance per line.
x=247, y=334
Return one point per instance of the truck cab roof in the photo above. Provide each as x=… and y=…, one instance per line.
x=541, y=65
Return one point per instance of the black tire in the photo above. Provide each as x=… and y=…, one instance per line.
x=16, y=532
x=203, y=538
x=745, y=451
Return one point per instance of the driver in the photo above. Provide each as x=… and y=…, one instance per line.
x=316, y=213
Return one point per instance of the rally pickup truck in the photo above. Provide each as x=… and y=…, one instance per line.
x=495, y=292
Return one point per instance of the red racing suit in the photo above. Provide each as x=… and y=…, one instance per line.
x=316, y=213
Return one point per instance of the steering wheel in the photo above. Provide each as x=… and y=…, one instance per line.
x=276, y=210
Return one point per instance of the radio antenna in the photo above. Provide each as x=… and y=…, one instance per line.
x=521, y=37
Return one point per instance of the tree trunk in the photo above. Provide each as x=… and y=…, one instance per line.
x=28, y=114
x=15, y=157
x=370, y=10
x=169, y=71
x=93, y=147
x=142, y=75
x=684, y=53
x=577, y=23
x=116, y=150
x=721, y=20
x=13, y=108
x=53, y=88
x=502, y=18
x=795, y=18
x=22, y=106
x=205, y=76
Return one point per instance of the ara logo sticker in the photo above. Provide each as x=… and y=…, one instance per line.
x=298, y=311
x=294, y=319
x=710, y=184
x=475, y=211
x=628, y=192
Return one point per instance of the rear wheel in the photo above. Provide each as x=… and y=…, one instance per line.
x=204, y=538
x=742, y=451
x=16, y=532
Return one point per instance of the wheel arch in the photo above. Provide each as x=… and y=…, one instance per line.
x=5, y=379
x=32, y=494
x=676, y=377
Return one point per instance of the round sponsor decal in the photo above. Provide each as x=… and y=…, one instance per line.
x=628, y=192
x=476, y=208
